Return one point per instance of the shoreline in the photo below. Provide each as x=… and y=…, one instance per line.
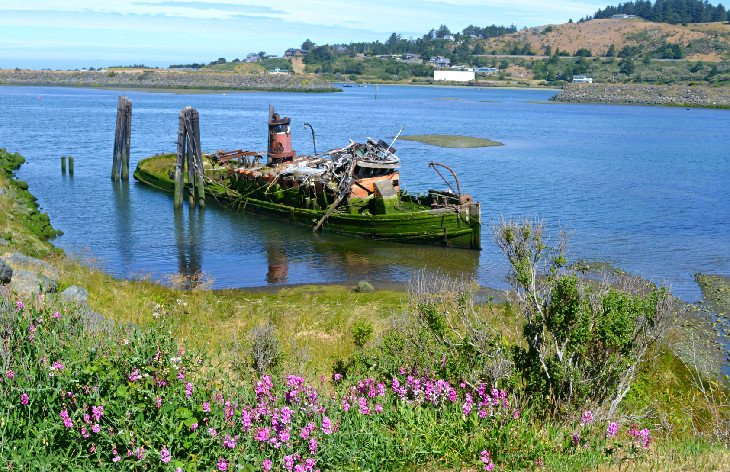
x=679, y=96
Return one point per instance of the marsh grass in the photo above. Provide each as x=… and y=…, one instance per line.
x=451, y=141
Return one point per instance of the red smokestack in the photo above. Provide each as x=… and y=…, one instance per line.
x=280, y=147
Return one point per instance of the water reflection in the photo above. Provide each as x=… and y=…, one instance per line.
x=123, y=219
x=189, y=239
x=278, y=262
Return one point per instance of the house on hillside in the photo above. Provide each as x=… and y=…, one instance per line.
x=278, y=71
x=622, y=16
x=252, y=57
x=448, y=37
x=440, y=61
x=293, y=52
x=582, y=79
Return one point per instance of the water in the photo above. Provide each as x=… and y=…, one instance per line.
x=643, y=188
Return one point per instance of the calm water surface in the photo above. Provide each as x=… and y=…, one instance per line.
x=643, y=188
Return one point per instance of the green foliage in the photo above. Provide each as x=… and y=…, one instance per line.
x=626, y=66
x=583, y=52
x=362, y=332
x=663, y=11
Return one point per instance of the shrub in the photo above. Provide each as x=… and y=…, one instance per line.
x=584, y=339
x=362, y=332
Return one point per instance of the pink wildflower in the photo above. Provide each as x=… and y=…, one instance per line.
x=484, y=457
x=24, y=399
x=576, y=438
x=97, y=412
x=326, y=425
x=338, y=377
x=56, y=315
x=158, y=402
x=188, y=390
x=222, y=464
x=92, y=449
x=206, y=407
x=193, y=426
x=612, y=430
x=57, y=365
x=587, y=417
x=19, y=305
x=516, y=414
x=139, y=452
x=288, y=462
x=266, y=465
x=134, y=376
x=378, y=408
x=212, y=432
x=84, y=433
x=165, y=454
x=229, y=442
x=9, y=374
x=116, y=458
x=66, y=420
x=95, y=428
x=313, y=446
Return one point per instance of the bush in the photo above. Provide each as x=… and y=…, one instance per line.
x=362, y=332
x=584, y=339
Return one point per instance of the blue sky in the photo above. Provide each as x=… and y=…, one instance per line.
x=84, y=33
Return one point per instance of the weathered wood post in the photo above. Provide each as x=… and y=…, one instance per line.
x=180, y=163
x=70, y=165
x=189, y=154
x=127, y=138
x=63, y=165
x=122, y=139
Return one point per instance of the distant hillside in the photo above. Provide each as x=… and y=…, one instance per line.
x=702, y=41
x=668, y=11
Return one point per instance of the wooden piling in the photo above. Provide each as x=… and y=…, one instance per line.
x=122, y=139
x=63, y=165
x=70, y=165
x=180, y=164
x=189, y=159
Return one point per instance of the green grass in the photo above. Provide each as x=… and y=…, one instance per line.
x=451, y=141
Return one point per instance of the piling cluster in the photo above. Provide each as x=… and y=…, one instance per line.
x=189, y=157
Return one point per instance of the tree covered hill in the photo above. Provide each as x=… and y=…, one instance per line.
x=668, y=11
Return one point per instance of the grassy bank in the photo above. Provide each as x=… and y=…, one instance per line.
x=384, y=380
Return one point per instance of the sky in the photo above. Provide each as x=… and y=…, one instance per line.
x=67, y=34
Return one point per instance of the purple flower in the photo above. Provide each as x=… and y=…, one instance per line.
x=262, y=434
x=97, y=412
x=222, y=464
x=158, y=402
x=206, y=407
x=266, y=465
x=576, y=438
x=19, y=305
x=56, y=315
x=587, y=417
x=66, y=420
x=484, y=457
x=326, y=425
x=24, y=399
x=313, y=446
x=193, y=426
x=165, y=454
x=229, y=442
x=57, y=365
x=95, y=428
x=188, y=390
x=212, y=432
x=116, y=458
x=9, y=374
x=612, y=430
x=134, y=376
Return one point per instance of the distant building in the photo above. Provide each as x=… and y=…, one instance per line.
x=409, y=56
x=448, y=37
x=293, y=52
x=485, y=70
x=278, y=71
x=440, y=61
x=454, y=75
x=271, y=56
x=582, y=79
x=252, y=57
x=622, y=16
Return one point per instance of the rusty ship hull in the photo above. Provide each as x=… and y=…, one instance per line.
x=409, y=219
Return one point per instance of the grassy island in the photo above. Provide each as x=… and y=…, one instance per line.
x=451, y=140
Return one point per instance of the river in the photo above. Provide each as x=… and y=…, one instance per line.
x=642, y=188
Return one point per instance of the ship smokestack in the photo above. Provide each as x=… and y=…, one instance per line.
x=280, y=146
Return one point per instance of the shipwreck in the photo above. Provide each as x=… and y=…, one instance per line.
x=353, y=190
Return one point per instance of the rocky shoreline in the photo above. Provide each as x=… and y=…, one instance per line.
x=637, y=94
x=166, y=79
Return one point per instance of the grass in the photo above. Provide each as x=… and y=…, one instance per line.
x=451, y=141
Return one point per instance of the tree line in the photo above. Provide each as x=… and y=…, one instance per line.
x=668, y=11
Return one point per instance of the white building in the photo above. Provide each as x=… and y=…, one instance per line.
x=454, y=75
x=582, y=79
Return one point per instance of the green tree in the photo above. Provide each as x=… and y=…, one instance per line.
x=611, y=52
x=626, y=66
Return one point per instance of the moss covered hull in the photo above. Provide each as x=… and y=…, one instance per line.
x=447, y=226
